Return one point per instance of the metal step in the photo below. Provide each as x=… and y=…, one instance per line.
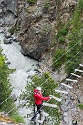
x=76, y=75
x=77, y=70
x=81, y=65
x=71, y=80
x=50, y=105
x=70, y=87
x=58, y=99
x=59, y=91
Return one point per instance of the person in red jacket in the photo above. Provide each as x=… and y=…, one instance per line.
x=39, y=98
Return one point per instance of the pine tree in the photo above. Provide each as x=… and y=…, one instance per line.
x=6, y=100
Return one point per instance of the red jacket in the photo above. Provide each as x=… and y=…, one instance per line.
x=39, y=97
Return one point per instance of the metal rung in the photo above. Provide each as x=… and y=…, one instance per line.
x=79, y=70
x=58, y=99
x=70, y=87
x=76, y=75
x=50, y=105
x=71, y=80
x=81, y=65
x=64, y=92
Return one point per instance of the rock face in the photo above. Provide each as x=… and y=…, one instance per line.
x=37, y=40
x=37, y=24
x=11, y=5
x=8, y=12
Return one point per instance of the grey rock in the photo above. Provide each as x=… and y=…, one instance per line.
x=80, y=99
x=11, y=5
x=8, y=41
x=34, y=45
x=64, y=108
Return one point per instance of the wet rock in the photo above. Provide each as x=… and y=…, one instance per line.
x=7, y=41
x=28, y=70
x=15, y=38
x=38, y=70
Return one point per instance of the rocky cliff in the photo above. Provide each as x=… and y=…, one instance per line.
x=35, y=23
x=38, y=22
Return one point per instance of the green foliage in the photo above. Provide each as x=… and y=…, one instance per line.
x=48, y=85
x=61, y=39
x=80, y=106
x=17, y=117
x=47, y=5
x=59, y=54
x=2, y=60
x=74, y=60
x=63, y=31
x=11, y=30
x=5, y=86
x=31, y=1
x=80, y=5
x=27, y=10
x=75, y=38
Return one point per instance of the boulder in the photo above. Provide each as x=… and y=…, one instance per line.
x=36, y=40
x=11, y=5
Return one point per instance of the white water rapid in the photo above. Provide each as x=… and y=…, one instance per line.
x=24, y=67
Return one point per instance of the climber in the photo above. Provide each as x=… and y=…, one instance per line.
x=38, y=98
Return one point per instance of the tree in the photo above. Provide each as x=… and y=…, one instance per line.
x=75, y=38
x=6, y=101
x=48, y=86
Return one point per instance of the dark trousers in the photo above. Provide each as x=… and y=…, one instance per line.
x=39, y=108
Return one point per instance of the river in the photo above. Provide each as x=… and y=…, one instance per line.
x=24, y=68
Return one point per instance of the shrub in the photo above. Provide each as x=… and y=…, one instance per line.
x=64, y=31
x=75, y=36
x=59, y=54
x=61, y=39
x=11, y=30
x=80, y=106
x=5, y=86
x=17, y=118
x=47, y=5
